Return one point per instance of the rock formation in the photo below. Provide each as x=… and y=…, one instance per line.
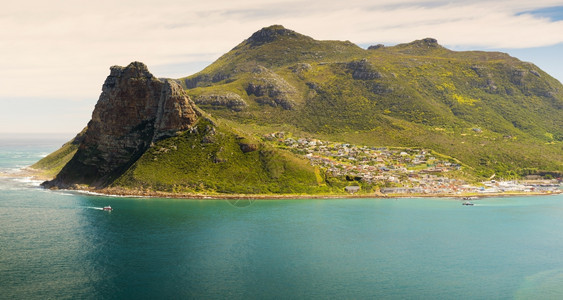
x=228, y=99
x=363, y=70
x=375, y=47
x=271, y=89
x=134, y=110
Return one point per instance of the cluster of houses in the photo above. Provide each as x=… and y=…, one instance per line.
x=400, y=170
x=526, y=186
x=395, y=170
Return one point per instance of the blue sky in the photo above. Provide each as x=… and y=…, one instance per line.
x=554, y=13
x=56, y=54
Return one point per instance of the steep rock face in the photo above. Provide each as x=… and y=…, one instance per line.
x=134, y=110
x=175, y=111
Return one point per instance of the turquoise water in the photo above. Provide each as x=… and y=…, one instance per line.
x=62, y=245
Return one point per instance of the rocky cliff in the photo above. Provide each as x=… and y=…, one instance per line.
x=134, y=110
x=492, y=112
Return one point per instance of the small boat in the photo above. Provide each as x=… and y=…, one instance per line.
x=108, y=208
x=467, y=203
x=469, y=198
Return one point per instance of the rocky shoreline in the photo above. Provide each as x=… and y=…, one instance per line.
x=156, y=194
x=123, y=192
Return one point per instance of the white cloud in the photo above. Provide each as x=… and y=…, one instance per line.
x=64, y=48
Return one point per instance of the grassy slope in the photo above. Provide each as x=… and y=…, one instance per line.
x=423, y=95
x=210, y=160
x=52, y=164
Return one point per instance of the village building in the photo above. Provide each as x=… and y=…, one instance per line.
x=352, y=189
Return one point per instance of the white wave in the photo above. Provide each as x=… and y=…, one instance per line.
x=11, y=171
x=97, y=208
x=64, y=194
x=28, y=181
x=90, y=193
x=102, y=194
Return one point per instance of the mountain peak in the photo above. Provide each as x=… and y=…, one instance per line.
x=135, y=69
x=270, y=34
x=134, y=110
x=425, y=43
x=422, y=46
x=430, y=41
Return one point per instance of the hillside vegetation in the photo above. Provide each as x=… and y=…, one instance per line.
x=52, y=164
x=492, y=111
x=283, y=113
x=215, y=160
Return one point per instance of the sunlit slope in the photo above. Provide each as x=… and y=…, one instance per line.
x=214, y=159
x=490, y=110
x=51, y=165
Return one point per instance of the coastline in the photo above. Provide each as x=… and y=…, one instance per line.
x=37, y=175
x=122, y=192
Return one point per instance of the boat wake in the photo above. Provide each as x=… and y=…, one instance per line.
x=96, y=208
x=105, y=208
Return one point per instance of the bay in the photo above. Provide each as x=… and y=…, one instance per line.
x=59, y=244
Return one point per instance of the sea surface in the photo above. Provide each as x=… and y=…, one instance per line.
x=62, y=245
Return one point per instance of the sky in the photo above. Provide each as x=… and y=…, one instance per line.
x=55, y=55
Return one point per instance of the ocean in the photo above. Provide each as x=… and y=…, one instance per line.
x=60, y=245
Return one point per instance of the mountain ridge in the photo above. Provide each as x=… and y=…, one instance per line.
x=492, y=112
x=420, y=82
x=147, y=133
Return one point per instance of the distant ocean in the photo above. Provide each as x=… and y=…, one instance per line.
x=59, y=244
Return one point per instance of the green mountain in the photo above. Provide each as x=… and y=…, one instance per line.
x=146, y=134
x=485, y=111
x=492, y=111
x=214, y=159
